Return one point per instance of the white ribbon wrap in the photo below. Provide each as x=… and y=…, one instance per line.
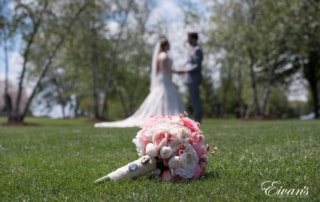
x=134, y=169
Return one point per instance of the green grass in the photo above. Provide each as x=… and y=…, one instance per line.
x=59, y=160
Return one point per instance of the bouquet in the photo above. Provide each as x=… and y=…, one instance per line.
x=171, y=147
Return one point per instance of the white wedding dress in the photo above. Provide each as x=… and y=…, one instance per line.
x=163, y=98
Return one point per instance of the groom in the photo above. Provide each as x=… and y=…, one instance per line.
x=194, y=77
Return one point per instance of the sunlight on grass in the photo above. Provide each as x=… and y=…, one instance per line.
x=58, y=160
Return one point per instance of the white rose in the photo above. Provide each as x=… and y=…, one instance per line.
x=181, y=135
x=152, y=150
x=166, y=152
x=174, y=162
x=189, y=162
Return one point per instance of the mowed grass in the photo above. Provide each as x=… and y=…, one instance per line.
x=58, y=160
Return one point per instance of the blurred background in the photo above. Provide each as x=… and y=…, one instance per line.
x=92, y=58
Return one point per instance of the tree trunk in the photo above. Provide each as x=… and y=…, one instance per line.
x=123, y=104
x=239, y=94
x=95, y=79
x=253, y=85
x=226, y=87
x=266, y=91
x=95, y=92
x=310, y=72
x=16, y=115
x=61, y=98
x=7, y=98
x=113, y=63
x=247, y=114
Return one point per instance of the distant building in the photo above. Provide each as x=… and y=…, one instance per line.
x=11, y=99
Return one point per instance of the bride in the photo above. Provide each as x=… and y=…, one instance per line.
x=163, y=98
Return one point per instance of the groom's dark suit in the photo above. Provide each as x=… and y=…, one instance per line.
x=194, y=79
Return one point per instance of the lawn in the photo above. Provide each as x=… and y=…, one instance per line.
x=58, y=160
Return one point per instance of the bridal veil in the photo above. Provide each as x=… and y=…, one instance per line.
x=163, y=99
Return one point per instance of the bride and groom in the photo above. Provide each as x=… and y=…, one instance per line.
x=164, y=99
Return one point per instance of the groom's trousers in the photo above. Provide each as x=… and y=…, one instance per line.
x=194, y=93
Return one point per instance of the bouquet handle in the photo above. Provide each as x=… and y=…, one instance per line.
x=134, y=169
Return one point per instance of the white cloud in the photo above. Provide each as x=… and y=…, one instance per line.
x=113, y=28
x=13, y=4
x=166, y=12
x=15, y=63
x=298, y=91
x=14, y=68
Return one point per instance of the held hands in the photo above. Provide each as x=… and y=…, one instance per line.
x=181, y=71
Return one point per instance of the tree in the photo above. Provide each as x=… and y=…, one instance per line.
x=30, y=21
x=254, y=34
x=303, y=39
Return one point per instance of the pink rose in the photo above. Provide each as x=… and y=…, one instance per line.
x=160, y=139
x=198, y=172
x=200, y=149
x=192, y=125
x=166, y=175
x=197, y=138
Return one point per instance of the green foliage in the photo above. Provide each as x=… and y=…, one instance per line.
x=207, y=97
x=95, y=58
x=298, y=108
x=60, y=159
x=278, y=105
x=272, y=39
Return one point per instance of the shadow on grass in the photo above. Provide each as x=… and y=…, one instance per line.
x=210, y=175
x=17, y=123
